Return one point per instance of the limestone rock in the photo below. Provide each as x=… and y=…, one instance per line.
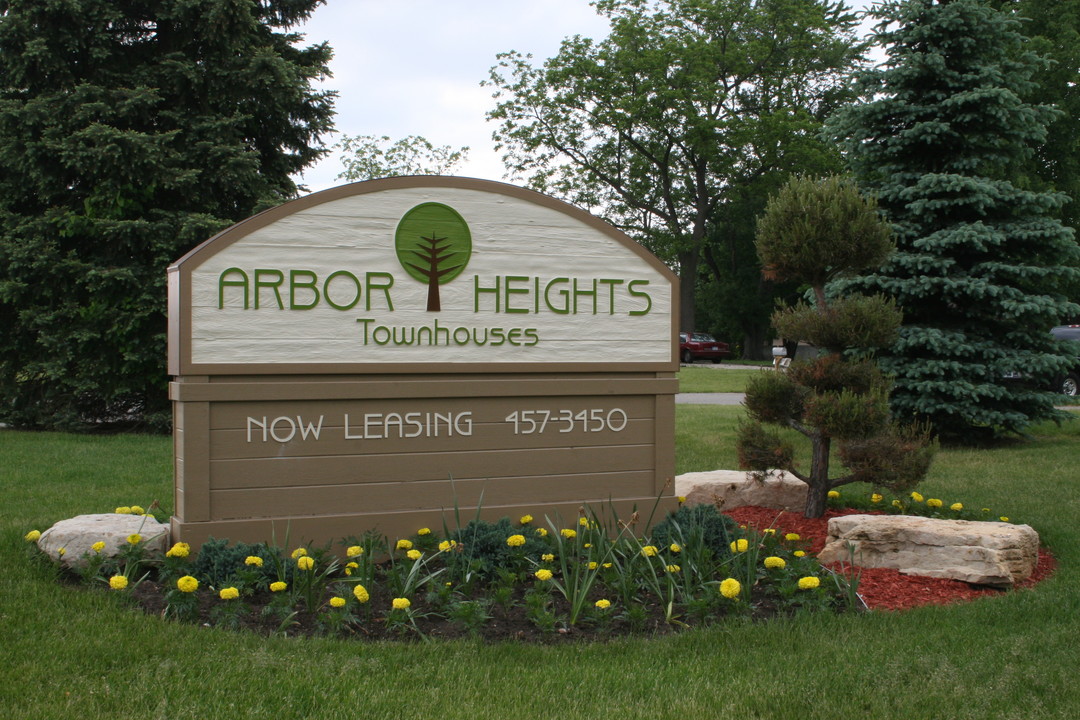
x=76, y=535
x=733, y=488
x=983, y=553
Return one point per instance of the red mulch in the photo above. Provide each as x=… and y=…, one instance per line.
x=881, y=588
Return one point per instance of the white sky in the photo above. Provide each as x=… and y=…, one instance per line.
x=414, y=67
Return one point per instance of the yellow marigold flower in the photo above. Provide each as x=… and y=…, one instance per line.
x=916, y=497
x=833, y=494
x=187, y=584
x=541, y=532
x=515, y=540
x=897, y=504
x=775, y=563
x=730, y=588
x=587, y=545
x=305, y=562
x=1003, y=519
x=740, y=545
x=799, y=553
x=447, y=545
x=681, y=499
x=401, y=603
x=299, y=553
x=568, y=533
x=123, y=510
x=674, y=547
x=337, y=602
x=134, y=538
x=673, y=568
x=547, y=557
x=593, y=566
x=769, y=531
x=583, y=522
x=792, y=537
x=808, y=583
x=934, y=503
x=606, y=566
x=180, y=550
x=603, y=604
x=423, y=531
x=875, y=498
x=32, y=536
x=543, y=574
x=253, y=560
x=986, y=510
x=525, y=519
x=98, y=546
x=278, y=586
x=118, y=582
x=354, y=551
x=61, y=552
x=414, y=554
x=137, y=510
x=229, y=593
x=403, y=545
x=956, y=507
x=649, y=551
x=361, y=594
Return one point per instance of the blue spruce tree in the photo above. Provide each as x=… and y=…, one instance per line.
x=982, y=263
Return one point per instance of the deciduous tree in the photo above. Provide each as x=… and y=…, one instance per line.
x=659, y=125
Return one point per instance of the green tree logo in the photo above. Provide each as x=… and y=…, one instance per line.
x=433, y=244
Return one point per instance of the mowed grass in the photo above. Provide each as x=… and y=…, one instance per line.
x=715, y=379
x=66, y=652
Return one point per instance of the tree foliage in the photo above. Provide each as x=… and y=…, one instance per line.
x=665, y=125
x=982, y=267
x=131, y=131
x=814, y=232
x=369, y=157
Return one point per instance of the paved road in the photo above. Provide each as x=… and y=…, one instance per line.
x=708, y=398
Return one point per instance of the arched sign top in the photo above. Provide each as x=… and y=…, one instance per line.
x=420, y=275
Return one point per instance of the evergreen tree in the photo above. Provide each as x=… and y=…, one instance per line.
x=981, y=262
x=131, y=131
x=814, y=232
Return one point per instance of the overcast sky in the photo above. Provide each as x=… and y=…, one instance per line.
x=414, y=67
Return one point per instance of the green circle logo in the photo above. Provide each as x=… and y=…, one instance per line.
x=433, y=244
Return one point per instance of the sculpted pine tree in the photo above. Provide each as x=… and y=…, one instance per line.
x=814, y=232
x=439, y=238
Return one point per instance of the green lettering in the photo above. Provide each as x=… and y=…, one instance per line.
x=274, y=279
x=307, y=284
x=223, y=283
x=356, y=286
x=387, y=283
x=630, y=286
x=477, y=289
x=515, y=291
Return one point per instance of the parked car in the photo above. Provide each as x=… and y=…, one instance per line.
x=693, y=346
x=1069, y=383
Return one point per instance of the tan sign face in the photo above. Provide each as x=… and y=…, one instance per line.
x=376, y=355
x=412, y=276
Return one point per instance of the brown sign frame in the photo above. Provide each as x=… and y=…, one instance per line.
x=249, y=464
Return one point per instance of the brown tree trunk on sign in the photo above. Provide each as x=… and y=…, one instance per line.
x=434, y=301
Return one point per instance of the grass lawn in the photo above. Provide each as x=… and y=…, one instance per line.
x=67, y=652
x=715, y=379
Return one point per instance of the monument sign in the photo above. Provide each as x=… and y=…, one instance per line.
x=371, y=356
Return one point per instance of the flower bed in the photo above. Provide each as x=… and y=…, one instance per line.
x=540, y=581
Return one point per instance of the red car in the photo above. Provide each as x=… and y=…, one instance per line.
x=701, y=345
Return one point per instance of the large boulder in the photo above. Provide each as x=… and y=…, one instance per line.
x=734, y=488
x=983, y=553
x=77, y=535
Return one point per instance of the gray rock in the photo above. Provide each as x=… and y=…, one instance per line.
x=733, y=488
x=77, y=535
x=983, y=553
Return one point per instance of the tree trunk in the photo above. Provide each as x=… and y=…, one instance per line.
x=818, y=492
x=688, y=273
